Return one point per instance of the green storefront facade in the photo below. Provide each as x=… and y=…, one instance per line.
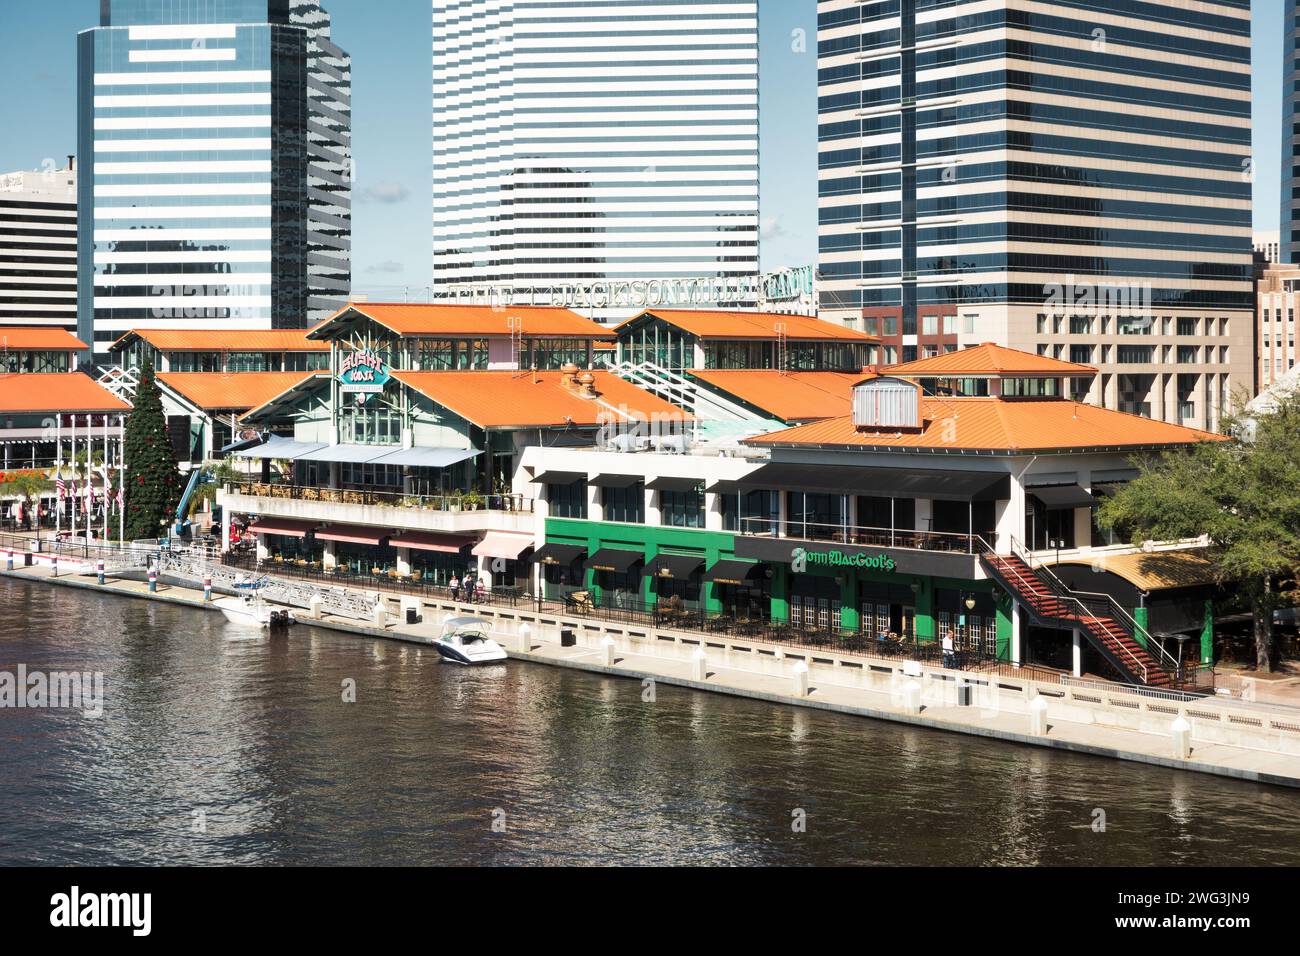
x=853, y=582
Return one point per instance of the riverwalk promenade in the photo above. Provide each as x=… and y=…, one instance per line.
x=1251, y=742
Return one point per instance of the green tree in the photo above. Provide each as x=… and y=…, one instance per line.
x=1243, y=493
x=153, y=482
x=28, y=487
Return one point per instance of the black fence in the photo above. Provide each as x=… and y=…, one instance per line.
x=342, y=576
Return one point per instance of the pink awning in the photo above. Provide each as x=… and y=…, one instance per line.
x=430, y=541
x=351, y=534
x=287, y=526
x=503, y=544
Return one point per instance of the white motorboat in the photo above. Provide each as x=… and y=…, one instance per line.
x=250, y=610
x=467, y=640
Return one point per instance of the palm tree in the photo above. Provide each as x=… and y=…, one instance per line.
x=28, y=487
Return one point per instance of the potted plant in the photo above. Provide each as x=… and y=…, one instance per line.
x=455, y=500
x=473, y=501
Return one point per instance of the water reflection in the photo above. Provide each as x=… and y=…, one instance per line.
x=215, y=747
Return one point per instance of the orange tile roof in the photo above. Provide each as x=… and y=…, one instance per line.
x=212, y=391
x=56, y=392
x=224, y=340
x=34, y=337
x=507, y=399
x=988, y=360
x=446, y=319
x=719, y=324
x=789, y=396
x=994, y=424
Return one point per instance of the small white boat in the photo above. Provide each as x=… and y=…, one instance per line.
x=467, y=640
x=250, y=610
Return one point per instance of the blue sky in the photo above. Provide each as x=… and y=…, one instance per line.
x=390, y=45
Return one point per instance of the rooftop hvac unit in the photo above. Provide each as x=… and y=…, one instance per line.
x=887, y=403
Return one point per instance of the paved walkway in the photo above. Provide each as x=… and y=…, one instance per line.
x=1008, y=723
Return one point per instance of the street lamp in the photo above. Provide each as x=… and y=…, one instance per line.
x=970, y=606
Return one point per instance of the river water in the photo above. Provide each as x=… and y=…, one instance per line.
x=220, y=747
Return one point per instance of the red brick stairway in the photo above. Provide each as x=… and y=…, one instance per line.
x=1053, y=606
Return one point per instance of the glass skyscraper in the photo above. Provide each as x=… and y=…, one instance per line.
x=1064, y=177
x=1289, y=225
x=215, y=151
x=602, y=140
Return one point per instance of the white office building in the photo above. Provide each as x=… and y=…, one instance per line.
x=596, y=141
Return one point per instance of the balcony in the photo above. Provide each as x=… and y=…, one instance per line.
x=446, y=513
x=941, y=553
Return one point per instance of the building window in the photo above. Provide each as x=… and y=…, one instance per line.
x=1186, y=325
x=753, y=512
x=1134, y=354
x=1081, y=354
x=624, y=504
x=1187, y=354
x=567, y=501
x=682, y=509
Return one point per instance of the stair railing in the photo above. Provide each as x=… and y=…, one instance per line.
x=1133, y=663
x=1162, y=656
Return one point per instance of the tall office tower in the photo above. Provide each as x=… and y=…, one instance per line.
x=602, y=140
x=216, y=167
x=1290, y=219
x=1062, y=177
x=38, y=247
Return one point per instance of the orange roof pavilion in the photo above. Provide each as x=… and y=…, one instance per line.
x=957, y=425
x=56, y=392
x=508, y=399
x=223, y=340
x=237, y=391
x=452, y=320
x=31, y=338
x=721, y=324
x=989, y=361
x=789, y=396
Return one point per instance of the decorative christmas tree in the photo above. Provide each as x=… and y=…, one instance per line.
x=153, y=482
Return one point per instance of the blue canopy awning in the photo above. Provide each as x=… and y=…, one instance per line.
x=278, y=447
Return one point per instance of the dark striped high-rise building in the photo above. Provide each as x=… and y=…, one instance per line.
x=38, y=247
x=1066, y=177
x=216, y=167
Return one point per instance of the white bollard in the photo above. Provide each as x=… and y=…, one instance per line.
x=525, y=638
x=381, y=614
x=800, y=679
x=699, y=664
x=314, y=607
x=1038, y=717
x=912, y=697
x=1181, y=731
x=607, y=643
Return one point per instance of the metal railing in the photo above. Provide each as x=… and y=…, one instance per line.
x=1111, y=608
x=863, y=536
x=388, y=499
x=1085, y=615
x=342, y=576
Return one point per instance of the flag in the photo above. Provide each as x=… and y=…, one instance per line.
x=59, y=487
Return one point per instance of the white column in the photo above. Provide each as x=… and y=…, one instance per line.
x=595, y=509
x=652, y=508
x=1016, y=636
x=924, y=514
x=1078, y=652
x=261, y=547
x=328, y=558
x=712, y=511
x=403, y=561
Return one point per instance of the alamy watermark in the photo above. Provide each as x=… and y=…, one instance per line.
x=49, y=690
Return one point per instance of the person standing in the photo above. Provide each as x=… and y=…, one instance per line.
x=454, y=584
x=949, y=649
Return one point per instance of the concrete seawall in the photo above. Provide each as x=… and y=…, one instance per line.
x=1253, y=744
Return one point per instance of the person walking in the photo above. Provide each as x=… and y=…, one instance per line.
x=949, y=649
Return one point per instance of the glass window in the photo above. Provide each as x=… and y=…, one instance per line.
x=624, y=504
x=567, y=501
x=682, y=509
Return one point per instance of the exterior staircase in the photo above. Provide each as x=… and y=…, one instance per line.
x=1106, y=625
